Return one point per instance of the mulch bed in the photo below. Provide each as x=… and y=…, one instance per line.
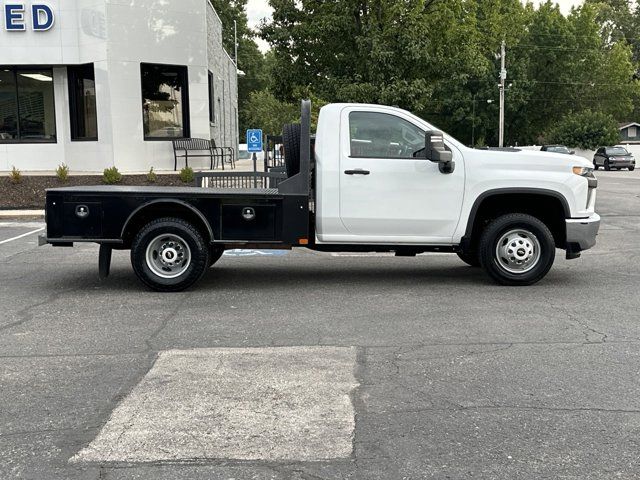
x=30, y=192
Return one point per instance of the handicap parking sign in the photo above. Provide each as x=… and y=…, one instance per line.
x=254, y=141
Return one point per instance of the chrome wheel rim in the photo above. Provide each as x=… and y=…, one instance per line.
x=168, y=256
x=518, y=251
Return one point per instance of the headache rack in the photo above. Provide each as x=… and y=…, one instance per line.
x=274, y=178
x=261, y=180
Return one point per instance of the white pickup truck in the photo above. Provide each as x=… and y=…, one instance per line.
x=376, y=179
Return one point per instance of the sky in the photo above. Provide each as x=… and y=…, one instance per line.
x=259, y=9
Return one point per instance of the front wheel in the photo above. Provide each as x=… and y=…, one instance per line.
x=169, y=255
x=596, y=166
x=631, y=169
x=517, y=249
x=607, y=165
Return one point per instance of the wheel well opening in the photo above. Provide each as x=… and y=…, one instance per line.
x=161, y=210
x=548, y=209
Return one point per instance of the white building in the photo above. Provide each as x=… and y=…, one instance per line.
x=98, y=83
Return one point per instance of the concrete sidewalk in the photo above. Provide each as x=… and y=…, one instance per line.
x=21, y=214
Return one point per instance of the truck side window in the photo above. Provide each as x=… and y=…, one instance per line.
x=381, y=135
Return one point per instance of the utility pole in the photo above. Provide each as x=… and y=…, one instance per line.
x=503, y=78
x=235, y=43
x=473, y=125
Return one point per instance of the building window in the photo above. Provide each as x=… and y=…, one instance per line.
x=165, y=101
x=212, y=100
x=633, y=132
x=27, y=108
x=82, y=102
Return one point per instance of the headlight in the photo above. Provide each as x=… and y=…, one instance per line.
x=583, y=171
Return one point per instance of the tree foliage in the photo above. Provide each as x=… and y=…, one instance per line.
x=586, y=130
x=438, y=58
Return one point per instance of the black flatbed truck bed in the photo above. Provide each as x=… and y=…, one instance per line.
x=223, y=218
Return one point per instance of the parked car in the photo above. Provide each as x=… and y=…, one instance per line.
x=613, y=158
x=379, y=180
x=557, y=149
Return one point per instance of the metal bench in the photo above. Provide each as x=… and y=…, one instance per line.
x=222, y=153
x=194, y=148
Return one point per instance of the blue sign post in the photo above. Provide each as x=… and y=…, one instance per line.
x=254, y=141
x=254, y=145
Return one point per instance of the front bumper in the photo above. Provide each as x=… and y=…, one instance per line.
x=581, y=233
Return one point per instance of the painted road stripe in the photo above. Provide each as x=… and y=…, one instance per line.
x=21, y=236
x=22, y=224
x=272, y=404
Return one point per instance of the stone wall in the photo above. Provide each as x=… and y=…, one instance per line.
x=224, y=129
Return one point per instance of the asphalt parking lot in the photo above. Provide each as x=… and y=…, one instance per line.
x=308, y=365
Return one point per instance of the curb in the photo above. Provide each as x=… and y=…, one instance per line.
x=21, y=214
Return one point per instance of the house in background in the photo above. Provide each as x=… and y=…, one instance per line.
x=630, y=132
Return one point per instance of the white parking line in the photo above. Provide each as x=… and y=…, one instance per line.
x=21, y=236
x=21, y=224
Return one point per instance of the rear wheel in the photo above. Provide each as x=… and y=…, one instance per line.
x=607, y=165
x=517, y=249
x=470, y=258
x=631, y=169
x=169, y=255
x=596, y=166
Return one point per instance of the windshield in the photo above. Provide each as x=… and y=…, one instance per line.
x=558, y=150
x=617, y=151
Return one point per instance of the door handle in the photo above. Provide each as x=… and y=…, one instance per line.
x=357, y=172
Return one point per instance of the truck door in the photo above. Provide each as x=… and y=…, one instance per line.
x=386, y=194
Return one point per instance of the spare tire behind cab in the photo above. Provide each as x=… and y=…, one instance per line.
x=291, y=144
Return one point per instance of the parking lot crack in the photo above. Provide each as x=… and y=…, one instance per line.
x=165, y=321
x=27, y=313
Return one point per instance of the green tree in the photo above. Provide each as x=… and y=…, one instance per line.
x=265, y=111
x=438, y=59
x=586, y=130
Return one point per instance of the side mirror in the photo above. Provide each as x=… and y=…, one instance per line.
x=437, y=152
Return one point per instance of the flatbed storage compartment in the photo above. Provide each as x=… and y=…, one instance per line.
x=258, y=221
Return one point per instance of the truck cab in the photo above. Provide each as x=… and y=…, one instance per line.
x=378, y=179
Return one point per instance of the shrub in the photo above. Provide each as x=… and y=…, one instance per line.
x=152, y=177
x=586, y=130
x=16, y=176
x=112, y=176
x=62, y=172
x=187, y=175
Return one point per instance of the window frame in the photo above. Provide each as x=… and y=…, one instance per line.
x=73, y=106
x=31, y=141
x=381, y=157
x=186, y=113
x=212, y=99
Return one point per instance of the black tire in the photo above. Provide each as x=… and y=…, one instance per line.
x=494, y=265
x=470, y=258
x=631, y=169
x=214, y=255
x=291, y=144
x=607, y=166
x=153, y=232
x=596, y=166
